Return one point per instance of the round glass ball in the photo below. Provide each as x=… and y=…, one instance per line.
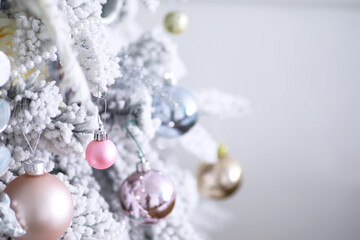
x=5, y=160
x=178, y=114
x=5, y=67
x=221, y=179
x=42, y=204
x=176, y=22
x=101, y=154
x=147, y=197
x=5, y=114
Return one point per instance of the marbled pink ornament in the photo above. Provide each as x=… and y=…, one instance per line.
x=101, y=154
x=147, y=197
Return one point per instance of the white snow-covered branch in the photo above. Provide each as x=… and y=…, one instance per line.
x=221, y=105
x=58, y=31
x=200, y=143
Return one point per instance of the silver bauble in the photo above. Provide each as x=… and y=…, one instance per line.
x=5, y=111
x=178, y=114
x=5, y=67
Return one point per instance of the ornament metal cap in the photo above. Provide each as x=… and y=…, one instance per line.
x=34, y=167
x=222, y=151
x=143, y=166
x=100, y=135
x=170, y=79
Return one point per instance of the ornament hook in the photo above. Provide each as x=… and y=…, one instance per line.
x=33, y=167
x=99, y=97
x=143, y=165
x=36, y=144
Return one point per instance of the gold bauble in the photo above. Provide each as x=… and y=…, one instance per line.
x=176, y=22
x=221, y=179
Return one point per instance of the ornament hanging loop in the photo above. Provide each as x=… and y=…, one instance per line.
x=99, y=97
x=101, y=133
x=143, y=165
x=33, y=149
x=35, y=167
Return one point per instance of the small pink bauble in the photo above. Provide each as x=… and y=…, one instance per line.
x=101, y=154
x=43, y=205
x=147, y=197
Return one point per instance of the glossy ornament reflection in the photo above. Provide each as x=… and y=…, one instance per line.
x=5, y=114
x=5, y=160
x=42, y=203
x=111, y=11
x=147, y=196
x=5, y=68
x=221, y=179
x=176, y=22
x=178, y=114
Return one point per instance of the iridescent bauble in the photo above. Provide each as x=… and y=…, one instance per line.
x=5, y=160
x=176, y=22
x=5, y=114
x=178, y=114
x=101, y=153
x=147, y=197
x=42, y=204
x=5, y=68
x=221, y=179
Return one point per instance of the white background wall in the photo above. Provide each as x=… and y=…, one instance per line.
x=300, y=148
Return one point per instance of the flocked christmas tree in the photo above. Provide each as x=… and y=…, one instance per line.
x=62, y=65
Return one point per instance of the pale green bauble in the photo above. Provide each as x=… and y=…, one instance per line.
x=176, y=22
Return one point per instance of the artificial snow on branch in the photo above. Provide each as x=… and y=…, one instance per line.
x=200, y=143
x=215, y=103
x=8, y=222
x=58, y=31
x=72, y=33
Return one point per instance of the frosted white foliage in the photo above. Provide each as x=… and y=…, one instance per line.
x=55, y=104
x=21, y=42
x=214, y=103
x=200, y=143
x=156, y=53
x=38, y=108
x=58, y=31
x=34, y=102
x=220, y=217
x=92, y=218
x=96, y=58
x=152, y=5
x=8, y=222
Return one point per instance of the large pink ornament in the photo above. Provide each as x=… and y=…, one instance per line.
x=42, y=203
x=101, y=153
x=147, y=196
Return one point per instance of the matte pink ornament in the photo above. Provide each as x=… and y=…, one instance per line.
x=101, y=153
x=42, y=203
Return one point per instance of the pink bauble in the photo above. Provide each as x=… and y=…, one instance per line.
x=147, y=197
x=43, y=206
x=101, y=154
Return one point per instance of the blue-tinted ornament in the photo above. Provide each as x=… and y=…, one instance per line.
x=5, y=67
x=5, y=159
x=5, y=114
x=178, y=114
